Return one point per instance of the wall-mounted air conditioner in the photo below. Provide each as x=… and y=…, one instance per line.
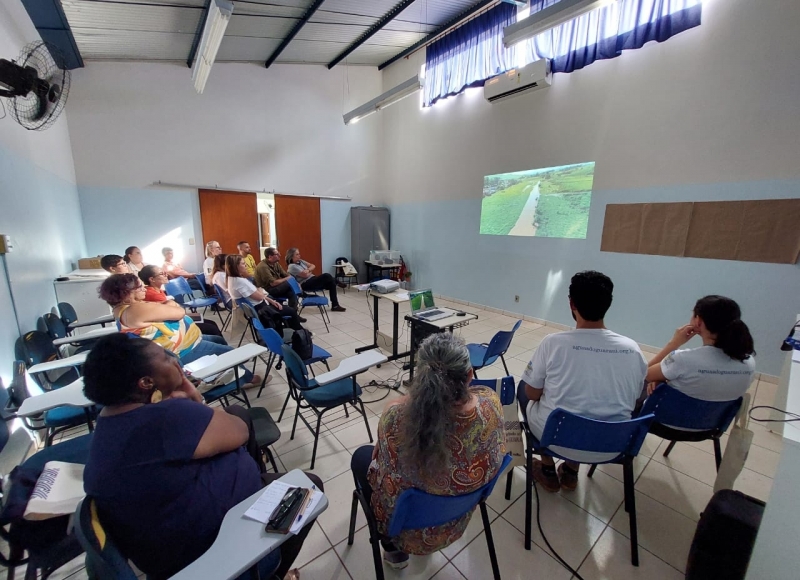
x=517, y=81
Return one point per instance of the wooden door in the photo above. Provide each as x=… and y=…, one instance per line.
x=229, y=217
x=297, y=225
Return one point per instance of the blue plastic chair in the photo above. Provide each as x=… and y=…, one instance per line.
x=226, y=303
x=320, y=399
x=482, y=355
x=565, y=432
x=274, y=343
x=507, y=391
x=179, y=289
x=250, y=315
x=679, y=417
x=305, y=299
x=416, y=509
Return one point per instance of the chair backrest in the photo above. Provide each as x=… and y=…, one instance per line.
x=676, y=409
x=417, y=509
x=568, y=430
x=68, y=314
x=41, y=325
x=270, y=337
x=5, y=432
x=507, y=392
x=35, y=347
x=103, y=558
x=179, y=289
x=295, y=285
x=202, y=279
x=55, y=328
x=247, y=309
x=18, y=390
x=296, y=372
x=221, y=294
x=500, y=343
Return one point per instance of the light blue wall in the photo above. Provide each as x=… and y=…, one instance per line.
x=653, y=294
x=116, y=218
x=335, y=225
x=42, y=215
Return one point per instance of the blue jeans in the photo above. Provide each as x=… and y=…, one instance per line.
x=215, y=339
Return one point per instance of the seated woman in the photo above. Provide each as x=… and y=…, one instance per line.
x=154, y=278
x=303, y=272
x=218, y=276
x=720, y=370
x=133, y=257
x=175, y=270
x=444, y=438
x=164, y=324
x=269, y=311
x=163, y=468
x=213, y=249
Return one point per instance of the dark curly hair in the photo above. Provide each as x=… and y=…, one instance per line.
x=117, y=287
x=114, y=366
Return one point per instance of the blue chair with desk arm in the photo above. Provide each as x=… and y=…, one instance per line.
x=310, y=299
x=48, y=543
x=482, y=355
x=179, y=289
x=565, y=434
x=320, y=399
x=679, y=417
x=226, y=304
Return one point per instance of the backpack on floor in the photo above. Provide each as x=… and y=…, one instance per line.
x=302, y=345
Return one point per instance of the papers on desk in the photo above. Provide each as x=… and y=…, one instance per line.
x=272, y=496
x=362, y=287
x=212, y=380
x=402, y=295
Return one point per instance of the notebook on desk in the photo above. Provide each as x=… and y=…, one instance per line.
x=424, y=308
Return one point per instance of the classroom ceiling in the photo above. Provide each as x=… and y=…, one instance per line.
x=165, y=30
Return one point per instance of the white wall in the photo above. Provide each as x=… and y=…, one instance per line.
x=253, y=128
x=712, y=113
x=40, y=209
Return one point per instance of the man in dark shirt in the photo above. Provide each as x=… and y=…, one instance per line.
x=271, y=276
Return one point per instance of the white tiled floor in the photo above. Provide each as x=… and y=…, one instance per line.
x=587, y=527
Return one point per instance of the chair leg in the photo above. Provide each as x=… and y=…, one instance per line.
x=322, y=315
x=509, y=479
x=271, y=458
x=353, y=514
x=487, y=528
x=502, y=358
x=366, y=422
x=669, y=448
x=316, y=440
x=296, y=415
x=286, y=402
x=630, y=506
x=528, y=495
x=346, y=414
x=591, y=470
x=717, y=452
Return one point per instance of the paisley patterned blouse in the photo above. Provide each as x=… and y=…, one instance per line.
x=477, y=448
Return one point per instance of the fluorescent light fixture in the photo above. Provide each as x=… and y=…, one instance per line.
x=219, y=14
x=550, y=17
x=390, y=97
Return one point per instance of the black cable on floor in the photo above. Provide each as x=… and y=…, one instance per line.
x=541, y=531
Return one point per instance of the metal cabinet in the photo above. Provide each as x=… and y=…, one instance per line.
x=369, y=231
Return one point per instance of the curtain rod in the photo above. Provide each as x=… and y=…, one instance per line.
x=157, y=184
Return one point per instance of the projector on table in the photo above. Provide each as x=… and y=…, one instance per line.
x=384, y=286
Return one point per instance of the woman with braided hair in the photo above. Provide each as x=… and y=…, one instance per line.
x=444, y=438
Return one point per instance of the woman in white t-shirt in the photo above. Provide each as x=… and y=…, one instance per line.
x=213, y=249
x=270, y=312
x=720, y=370
x=218, y=277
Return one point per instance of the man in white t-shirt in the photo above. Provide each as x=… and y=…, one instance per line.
x=590, y=371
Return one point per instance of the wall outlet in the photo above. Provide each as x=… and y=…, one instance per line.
x=191, y=241
x=516, y=298
x=6, y=244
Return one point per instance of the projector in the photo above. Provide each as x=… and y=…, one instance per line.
x=384, y=286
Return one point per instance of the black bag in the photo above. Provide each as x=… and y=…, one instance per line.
x=725, y=535
x=302, y=344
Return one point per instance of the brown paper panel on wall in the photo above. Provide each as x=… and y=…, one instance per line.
x=715, y=231
x=664, y=228
x=769, y=231
x=622, y=227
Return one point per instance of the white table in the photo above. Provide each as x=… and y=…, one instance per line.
x=418, y=324
x=103, y=320
x=75, y=360
x=352, y=366
x=85, y=337
x=242, y=542
x=70, y=395
x=231, y=359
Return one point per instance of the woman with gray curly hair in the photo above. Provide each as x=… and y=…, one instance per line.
x=444, y=438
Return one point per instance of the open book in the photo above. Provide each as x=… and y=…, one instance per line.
x=58, y=491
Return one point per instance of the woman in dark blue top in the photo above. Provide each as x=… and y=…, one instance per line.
x=164, y=468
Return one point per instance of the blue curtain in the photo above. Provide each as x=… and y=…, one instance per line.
x=606, y=32
x=469, y=55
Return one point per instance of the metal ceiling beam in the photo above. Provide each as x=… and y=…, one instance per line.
x=50, y=21
x=198, y=35
x=388, y=17
x=439, y=31
x=293, y=32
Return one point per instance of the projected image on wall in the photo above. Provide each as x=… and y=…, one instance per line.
x=552, y=202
